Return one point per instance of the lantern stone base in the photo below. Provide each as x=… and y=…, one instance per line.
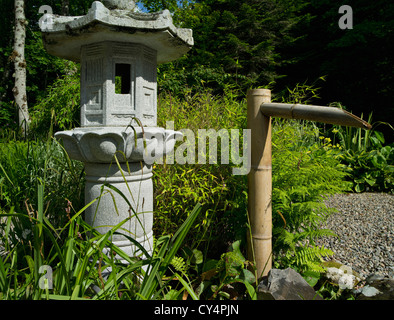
x=111, y=185
x=118, y=166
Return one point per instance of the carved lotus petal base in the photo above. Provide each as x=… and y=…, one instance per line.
x=101, y=144
x=123, y=193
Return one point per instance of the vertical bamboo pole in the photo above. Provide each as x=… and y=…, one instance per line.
x=260, y=182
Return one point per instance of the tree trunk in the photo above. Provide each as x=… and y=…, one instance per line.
x=20, y=66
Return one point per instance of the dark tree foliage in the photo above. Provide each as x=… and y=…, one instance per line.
x=358, y=63
x=243, y=44
x=42, y=68
x=247, y=36
x=237, y=43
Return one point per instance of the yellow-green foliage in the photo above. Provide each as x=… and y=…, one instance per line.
x=305, y=168
x=178, y=187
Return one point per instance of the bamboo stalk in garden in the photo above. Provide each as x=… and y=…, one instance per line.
x=260, y=182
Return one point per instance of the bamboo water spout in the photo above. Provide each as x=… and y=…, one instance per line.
x=260, y=111
x=314, y=113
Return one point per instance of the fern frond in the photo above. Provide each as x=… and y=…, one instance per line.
x=309, y=257
x=179, y=264
x=312, y=235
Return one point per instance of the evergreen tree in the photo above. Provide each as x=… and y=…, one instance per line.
x=236, y=42
x=358, y=63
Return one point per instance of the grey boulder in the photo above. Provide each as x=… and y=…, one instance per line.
x=377, y=288
x=285, y=284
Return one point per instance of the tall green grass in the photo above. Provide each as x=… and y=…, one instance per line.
x=42, y=236
x=78, y=261
x=25, y=165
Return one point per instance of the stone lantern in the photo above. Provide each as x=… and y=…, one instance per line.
x=119, y=51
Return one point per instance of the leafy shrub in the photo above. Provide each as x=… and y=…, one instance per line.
x=179, y=187
x=305, y=168
x=369, y=160
x=228, y=277
x=371, y=170
x=8, y=116
x=60, y=108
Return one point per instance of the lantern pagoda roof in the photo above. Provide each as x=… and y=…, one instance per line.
x=65, y=35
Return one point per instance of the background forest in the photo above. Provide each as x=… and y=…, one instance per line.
x=242, y=44
x=293, y=47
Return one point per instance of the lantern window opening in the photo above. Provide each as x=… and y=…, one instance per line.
x=122, y=78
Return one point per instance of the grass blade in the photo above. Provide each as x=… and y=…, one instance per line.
x=168, y=249
x=187, y=287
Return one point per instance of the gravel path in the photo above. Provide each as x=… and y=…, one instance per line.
x=365, y=226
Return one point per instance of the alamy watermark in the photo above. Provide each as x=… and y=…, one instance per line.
x=46, y=281
x=202, y=148
x=346, y=21
x=46, y=21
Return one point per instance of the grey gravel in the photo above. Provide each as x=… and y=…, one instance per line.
x=365, y=226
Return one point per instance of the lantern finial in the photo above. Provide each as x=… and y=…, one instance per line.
x=119, y=4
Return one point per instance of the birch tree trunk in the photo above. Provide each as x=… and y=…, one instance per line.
x=20, y=66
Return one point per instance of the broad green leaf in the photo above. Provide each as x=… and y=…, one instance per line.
x=198, y=256
x=247, y=276
x=311, y=277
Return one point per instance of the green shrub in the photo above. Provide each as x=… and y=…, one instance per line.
x=371, y=170
x=179, y=187
x=369, y=160
x=60, y=108
x=305, y=168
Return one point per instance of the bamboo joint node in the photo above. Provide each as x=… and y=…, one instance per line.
x=261, y=237
x=261, y=168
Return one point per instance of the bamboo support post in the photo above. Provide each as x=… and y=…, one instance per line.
x=260, y=182
x=260, y=111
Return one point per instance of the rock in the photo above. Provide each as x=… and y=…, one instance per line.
x=374, y=277
x=285, y=285
x=391, y=272
x=378, y=288
x=368, y=291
